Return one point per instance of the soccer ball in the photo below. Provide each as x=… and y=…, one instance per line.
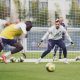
x=50, y=67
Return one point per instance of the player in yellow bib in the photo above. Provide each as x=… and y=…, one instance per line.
x=11, y=32
x=8, y=35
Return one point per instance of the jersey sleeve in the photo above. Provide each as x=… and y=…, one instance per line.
x=67, y=35
x=23, y=28
x=46, y=34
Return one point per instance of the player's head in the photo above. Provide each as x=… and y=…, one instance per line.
x=57, y=23
x=28, y=25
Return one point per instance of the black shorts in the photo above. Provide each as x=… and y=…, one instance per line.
x=8, y=41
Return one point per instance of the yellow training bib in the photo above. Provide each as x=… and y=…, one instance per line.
x=11, y=32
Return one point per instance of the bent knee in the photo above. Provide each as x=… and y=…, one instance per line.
x=20, y=48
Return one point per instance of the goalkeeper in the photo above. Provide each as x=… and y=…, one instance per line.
x=7, y=36
x=54, y=35
x=63, y=37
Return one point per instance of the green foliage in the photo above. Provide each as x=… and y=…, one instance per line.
x=3, y=10
x=21, y=11
x=39, y=15
x=42, y=18
x=74, y=16
x=58, y=11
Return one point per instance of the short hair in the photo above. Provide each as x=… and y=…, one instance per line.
x=57, y=20
x=28, y=23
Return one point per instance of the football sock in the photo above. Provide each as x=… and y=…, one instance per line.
x=8, y=53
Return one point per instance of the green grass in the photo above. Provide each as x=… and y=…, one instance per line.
x=32, y=71
x=50, y=55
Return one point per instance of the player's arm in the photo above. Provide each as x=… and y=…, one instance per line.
x=67, y=36
x=44, y=37
x=5, y=23
x=23, y=28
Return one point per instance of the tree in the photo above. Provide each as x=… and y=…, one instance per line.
x=40, y=15
x=21, y=11
x=4, y=12
x=58, y=11
x=74, y=16
x=42, y=18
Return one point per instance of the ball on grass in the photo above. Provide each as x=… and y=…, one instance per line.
x=50, y=67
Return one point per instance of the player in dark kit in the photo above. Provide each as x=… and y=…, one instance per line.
x=63, y=37
x=54, y=35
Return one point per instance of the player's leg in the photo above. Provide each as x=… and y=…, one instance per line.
x=60, y=50
x=18, y=47
x=61, y=44
x=50, y=46
x=60, y=53
x=1, y=48
x=55, y=50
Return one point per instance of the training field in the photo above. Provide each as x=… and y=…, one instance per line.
x=32, y=71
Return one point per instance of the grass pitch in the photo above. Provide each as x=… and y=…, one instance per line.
x=32, y=71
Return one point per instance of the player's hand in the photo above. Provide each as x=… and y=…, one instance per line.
x=40, y=43
x=72, y=43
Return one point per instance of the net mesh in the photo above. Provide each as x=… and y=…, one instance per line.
x=42, y=13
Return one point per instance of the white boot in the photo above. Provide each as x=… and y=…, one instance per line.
x=54, y=58
x=38, y=61
x=65, y=60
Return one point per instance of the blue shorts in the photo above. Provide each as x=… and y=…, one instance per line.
x=52, y=43
x=8, y=41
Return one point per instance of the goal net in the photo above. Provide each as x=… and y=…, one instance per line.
x=42, y=13
x=33, y=51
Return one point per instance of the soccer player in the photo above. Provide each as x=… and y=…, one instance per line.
x=7, y=36
x=63, y=37
x=54, y=35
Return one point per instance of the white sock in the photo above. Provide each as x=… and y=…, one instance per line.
x=8, y=53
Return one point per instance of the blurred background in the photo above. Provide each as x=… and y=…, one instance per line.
x=42, y=13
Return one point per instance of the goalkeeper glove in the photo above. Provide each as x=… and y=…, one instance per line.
x=40, y=43
x=72, y=43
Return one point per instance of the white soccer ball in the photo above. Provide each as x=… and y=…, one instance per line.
x=50, y=67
